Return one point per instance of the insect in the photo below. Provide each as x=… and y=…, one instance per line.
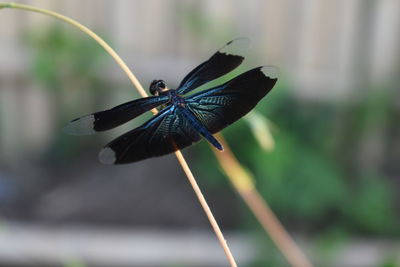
x=181, y=120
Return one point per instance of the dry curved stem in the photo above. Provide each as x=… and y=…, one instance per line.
x=242, y=180
x=143, y=93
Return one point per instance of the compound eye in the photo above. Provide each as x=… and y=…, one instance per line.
x=153, y=87
x=153, y=90
x=161, y=85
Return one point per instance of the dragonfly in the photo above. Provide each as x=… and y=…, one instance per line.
x=182, y=120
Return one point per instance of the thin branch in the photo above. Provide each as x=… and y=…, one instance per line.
x=143, y=93
x=243, y=183
x=207, y=210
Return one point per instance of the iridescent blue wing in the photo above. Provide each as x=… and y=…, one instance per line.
x=108, y=119
x=220, y=106
x=223, y=61
x=166, y=132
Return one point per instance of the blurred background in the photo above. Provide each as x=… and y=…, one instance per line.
x=331, y=175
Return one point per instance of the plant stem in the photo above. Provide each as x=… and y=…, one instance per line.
x=143, y=93
x=242, y=181
x=206, y=208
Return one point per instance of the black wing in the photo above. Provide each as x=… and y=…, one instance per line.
x=108, y=119
x=223, y=61
x=166, y=132
x=220, y=106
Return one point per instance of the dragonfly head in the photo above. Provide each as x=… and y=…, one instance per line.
x=157, y=86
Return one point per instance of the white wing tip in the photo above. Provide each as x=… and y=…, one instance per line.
x=107, y=156
x=270, y=72
x=236, y=47
x=81, y=126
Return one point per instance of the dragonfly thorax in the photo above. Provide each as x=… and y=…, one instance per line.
x=175, y=98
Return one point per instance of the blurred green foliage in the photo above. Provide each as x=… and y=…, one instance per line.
x=69, y=66
x=61, y=57
x=306, y=179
